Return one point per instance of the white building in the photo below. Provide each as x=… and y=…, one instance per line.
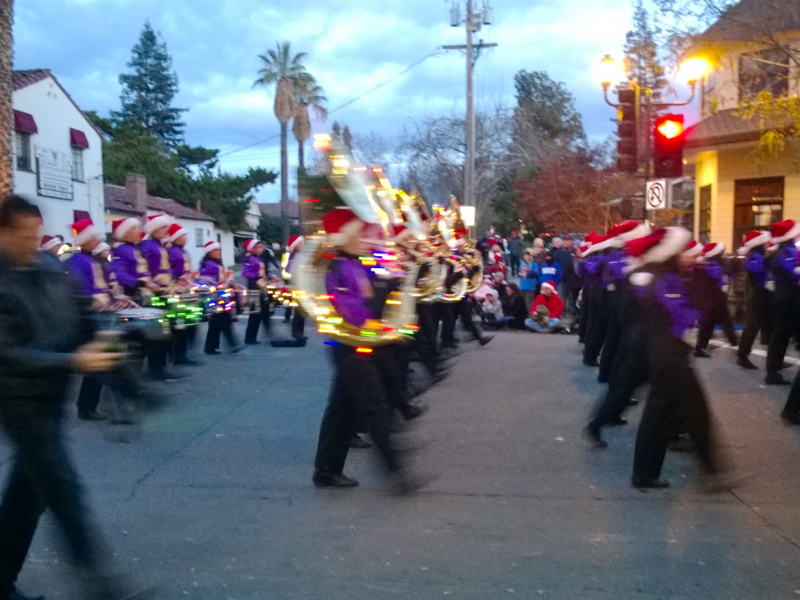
x=58, y=160
x=134, y=201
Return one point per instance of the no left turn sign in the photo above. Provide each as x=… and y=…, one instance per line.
x=656, y=194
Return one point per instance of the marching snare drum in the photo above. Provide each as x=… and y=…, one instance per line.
x=150, y=323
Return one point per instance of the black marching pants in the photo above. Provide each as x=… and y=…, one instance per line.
x=785, y=307
x=792, y=406
x=220, y=324
x=463, y=311
x=615, y=308
x=596, y=325
x=42, y=477
x=358, y=395
x=443, y=313
x=255, y=321
x=298, y=324
x=676, y=396
x=583, y=319
x=629, y=373
x=718, y=314
x=757, y=318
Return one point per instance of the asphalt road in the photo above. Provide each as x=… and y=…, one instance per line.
x=214, y=501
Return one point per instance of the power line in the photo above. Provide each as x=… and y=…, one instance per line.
x=436, y=51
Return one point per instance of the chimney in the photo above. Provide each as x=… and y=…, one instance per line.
x=136, y=192
x=198, y=206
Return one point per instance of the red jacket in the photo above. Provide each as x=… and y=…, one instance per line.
x=554, y=304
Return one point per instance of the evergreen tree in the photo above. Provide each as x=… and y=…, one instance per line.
x=641, y=53
x=149, y=89
x=347, y=138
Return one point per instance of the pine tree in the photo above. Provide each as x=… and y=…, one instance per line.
x=641, y=53
x=148, y=91
x=347, y=138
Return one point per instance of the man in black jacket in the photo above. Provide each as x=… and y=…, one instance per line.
x=44, y=337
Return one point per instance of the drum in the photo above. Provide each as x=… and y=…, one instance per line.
x=149, y=323
x=182, y=310
x=248, y=302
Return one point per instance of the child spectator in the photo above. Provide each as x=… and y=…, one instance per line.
x=547, y=310
x=528, y=278
x=491, y=308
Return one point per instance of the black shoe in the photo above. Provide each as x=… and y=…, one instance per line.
x=776, y=379
x=485, y=339
x=91, y=415
x=591, y=363
x=632, y=402
x=402, y=483
x=358, y=442
x=186, y=361
x=413, y=411
x=792, y=419
x=602, y=379
x=213, y=352
x=237, y=349
x=450, y=345
x=619, y=421
x=682, y=444
x=746, y=363
x=17, y=595
x=783, y=366
x=595, y=437
x=700, y=353
x=253, y=343
x=338, y=480
x=648, y=484
x=164, y=375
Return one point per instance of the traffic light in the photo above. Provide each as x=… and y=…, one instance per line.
x=668, y=146
x=627, y=146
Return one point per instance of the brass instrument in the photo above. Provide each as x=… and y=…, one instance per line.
x=344, y=184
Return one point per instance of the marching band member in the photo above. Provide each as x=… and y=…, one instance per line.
x=712, y=287
x=358, y=385
x=294, y=245
x=785, y=299
x=179, y=260
x=757, y=317
x=596, y=321
x=213, y=271
x=254, y=271
x=51, y=244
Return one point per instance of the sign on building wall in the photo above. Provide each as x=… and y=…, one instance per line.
x=53, y=174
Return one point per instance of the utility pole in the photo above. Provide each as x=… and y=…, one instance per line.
x=473, y=19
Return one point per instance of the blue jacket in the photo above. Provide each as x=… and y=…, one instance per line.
x=529, y=282
x=550, y=272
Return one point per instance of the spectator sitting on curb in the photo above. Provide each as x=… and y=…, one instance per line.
x=547, y=310
x=491, y=308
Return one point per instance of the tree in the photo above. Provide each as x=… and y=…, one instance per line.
x=270, y=229
x=148, y=91
x=760, y=35
x=312, y=96
x=6, y=112
x=287, y=73
x=642, y=62
x=347, y=138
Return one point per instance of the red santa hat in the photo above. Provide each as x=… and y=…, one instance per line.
x=211, y=246
x=693, y=248
x=713, y=249
x=659, y=246
x=461, y=236
x=784, y=231
x=156, y=222
x=629, y=230
x=49, y=242
x=752, y=240
x=250, y=245
x=293, y=242
x=598, y=243
x=341, y=224
x=550, y=285
x=121, y=227
x=83, y=231
x=100, y=248
x=175, y=231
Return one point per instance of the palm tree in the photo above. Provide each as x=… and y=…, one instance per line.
x=6, y=113
x=312, y=96
x=288, y=74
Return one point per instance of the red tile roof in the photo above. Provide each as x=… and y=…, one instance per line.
x=725, y=127
x=116, y=200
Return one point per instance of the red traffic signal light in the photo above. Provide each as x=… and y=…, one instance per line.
x=668, y=147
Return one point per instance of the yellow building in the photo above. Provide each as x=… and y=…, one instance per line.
x=737, y=191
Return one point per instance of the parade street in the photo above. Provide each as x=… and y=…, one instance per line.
x=214, y=501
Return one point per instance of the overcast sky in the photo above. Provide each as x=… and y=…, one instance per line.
x=352, y=46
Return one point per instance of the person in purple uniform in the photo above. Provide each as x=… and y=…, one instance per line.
x=785, y=268
x=676, y=394
x=757, y=317
x=180, y=264
x=128, y=264
x=213, y=272
x=358, y=392
x=254, y=272
x=596, y=321
x=712, y=284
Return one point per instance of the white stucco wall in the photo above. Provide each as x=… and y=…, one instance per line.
x=55, y=114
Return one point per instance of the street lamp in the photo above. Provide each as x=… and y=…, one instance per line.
x=610, y=71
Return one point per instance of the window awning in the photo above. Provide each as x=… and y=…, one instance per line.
x=24, y=122
x=77, y=139
x=80, y=215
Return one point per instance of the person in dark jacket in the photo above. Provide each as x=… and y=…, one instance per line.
x=758, y=296
x=44, y=338
x=785, y=308
x=515, y=311
x=514, y=247
x=712, y=283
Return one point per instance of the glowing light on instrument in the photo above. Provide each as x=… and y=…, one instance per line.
x=364, y=350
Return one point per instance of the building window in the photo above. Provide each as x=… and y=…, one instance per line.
x=198, y=238
x=77, y=164
x=764, y=71
x=704, y=223
x=23, y=146
x=758, y=203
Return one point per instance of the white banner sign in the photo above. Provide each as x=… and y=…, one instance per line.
x=656, y=196
x=54, y=173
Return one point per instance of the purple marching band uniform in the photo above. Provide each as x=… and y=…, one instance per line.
x=346, y=283
x=158, y=262
x=713, y=284
x=211, y=271
x=757, y=309
x=179, y=262
x=785, y=306
x=130, y=268
x=87, y=272
x=596, y=317
x=219, y=324
x=615, y=303
x=253, y=271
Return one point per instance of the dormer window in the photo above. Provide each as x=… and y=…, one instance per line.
x=764, y=71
